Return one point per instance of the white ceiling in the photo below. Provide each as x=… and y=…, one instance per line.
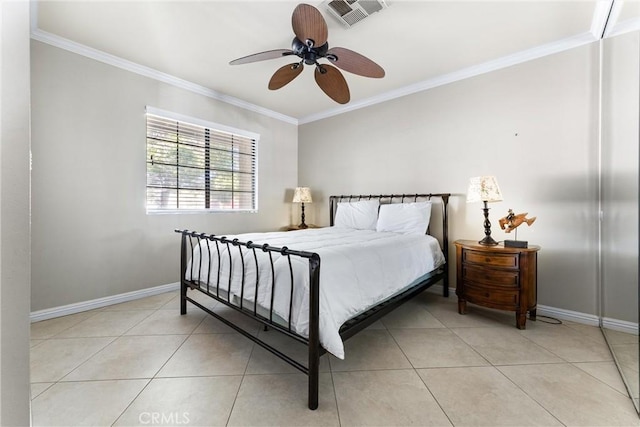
x=420, y=44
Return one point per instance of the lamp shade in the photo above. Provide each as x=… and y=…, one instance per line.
x=302, y=195
x=483, y=189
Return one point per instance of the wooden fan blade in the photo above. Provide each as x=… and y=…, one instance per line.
x=284, y=75
x=269, y=54
x=354, y=62
x=308, y=23
x=332, y=82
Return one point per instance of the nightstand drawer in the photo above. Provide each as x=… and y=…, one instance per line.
x=494, y=298
x=487, y=276
x=492, y=259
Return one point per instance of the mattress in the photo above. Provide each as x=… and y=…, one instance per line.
x=359, y=269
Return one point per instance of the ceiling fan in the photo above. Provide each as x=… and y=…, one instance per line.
x=310, y=44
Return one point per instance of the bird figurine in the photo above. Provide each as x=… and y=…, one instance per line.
x=513, y=221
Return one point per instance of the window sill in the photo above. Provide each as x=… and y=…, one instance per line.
x=197, y=211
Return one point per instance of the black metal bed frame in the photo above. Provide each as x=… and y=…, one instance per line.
x=191, y=239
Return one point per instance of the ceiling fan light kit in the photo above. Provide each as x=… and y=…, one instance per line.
x=310, y=45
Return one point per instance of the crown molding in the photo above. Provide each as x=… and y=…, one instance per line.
x=33, y=12
x=614, y=15
x=465, y=73
x=98, y=55
x=625, y=27
x=604, y=21
x=603, y=17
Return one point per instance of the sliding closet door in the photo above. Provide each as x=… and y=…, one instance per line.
x=620, y=141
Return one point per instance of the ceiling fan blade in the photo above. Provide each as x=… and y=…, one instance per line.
x=284, y=75
x=332, y=82
x=354, y=62
x=269, y=54
x=308, y=23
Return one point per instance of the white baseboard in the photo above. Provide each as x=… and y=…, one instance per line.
x=620, y=325
x=589, y=319
x=65, y=310
x=573, y=316
x=562, y=314
x=543, y=310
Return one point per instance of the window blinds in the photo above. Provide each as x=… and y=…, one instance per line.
x=193, y=167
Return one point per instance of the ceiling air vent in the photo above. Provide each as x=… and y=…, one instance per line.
x=350, y=12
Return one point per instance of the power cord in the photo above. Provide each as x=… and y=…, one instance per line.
x=551, y=320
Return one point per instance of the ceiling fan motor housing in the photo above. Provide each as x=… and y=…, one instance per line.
x=311, y=54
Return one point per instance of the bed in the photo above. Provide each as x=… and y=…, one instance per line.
x=379, y=251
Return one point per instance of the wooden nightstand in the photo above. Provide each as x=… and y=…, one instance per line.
x=497, y=277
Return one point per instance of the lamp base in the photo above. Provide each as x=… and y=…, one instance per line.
x=302, y=225
x=488, y=241
x=516, y=244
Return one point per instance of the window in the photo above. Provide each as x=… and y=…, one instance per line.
x=194, y=165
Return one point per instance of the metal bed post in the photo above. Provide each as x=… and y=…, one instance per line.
x=331, y=209
x=183, y=273
x=314, y=330
x=445, y=244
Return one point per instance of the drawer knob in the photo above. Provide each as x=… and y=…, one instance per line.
x=487, y=259
x=486, y=294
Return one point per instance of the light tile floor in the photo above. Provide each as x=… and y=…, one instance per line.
x=625, y=349
x=141, y=363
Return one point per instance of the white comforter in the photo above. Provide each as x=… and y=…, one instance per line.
x=358, y=269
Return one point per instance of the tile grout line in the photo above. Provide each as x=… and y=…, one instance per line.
x=528, y=395
x=625, y=394
x=244, y=374
x=159, y=369
x=59, y=381
x=71, y=326
x=132, y=400
x=335, y=396
x=116, y=337
x=556, y=354
x=415, y=370
x=434, y=396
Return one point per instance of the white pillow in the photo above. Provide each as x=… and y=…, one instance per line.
x=405, y=218
x=360, y=215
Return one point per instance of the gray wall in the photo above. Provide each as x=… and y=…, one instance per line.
x=621, y=115
x=534, y=126
x=91, y=236
x=14, y=214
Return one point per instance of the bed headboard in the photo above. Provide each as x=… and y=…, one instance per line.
x=438, y=226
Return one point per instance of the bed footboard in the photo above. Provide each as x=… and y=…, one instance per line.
x=201, y=280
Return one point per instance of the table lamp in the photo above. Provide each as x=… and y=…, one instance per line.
x=302, y=195
x=485, y=189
